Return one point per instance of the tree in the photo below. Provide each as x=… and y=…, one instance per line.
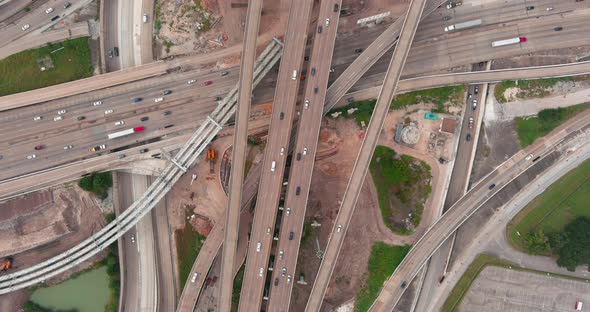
x=536, y=243
x=576, y=248
x=86, y=183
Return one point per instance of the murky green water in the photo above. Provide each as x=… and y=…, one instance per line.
x=89, y=292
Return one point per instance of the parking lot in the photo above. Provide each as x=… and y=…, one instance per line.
x=500, y=289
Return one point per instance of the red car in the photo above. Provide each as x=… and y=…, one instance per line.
x=39, y=147
x=207, y=82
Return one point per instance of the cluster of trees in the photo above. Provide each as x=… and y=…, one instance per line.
x=112, y=263
x=571, y=246
x=31, y=306
x=97, y=183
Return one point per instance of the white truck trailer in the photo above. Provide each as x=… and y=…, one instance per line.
x=122, y=133
x=464, y=25
x=504, y=42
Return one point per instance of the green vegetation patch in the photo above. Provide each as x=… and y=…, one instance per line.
x=403, y=185
x=382, y=262
x=531, y=128
x=527, y=88
x=438, y=96
x=237, y=288
x=363, y=112
x=97, y=183
x=31, y=306
x=112, y=263
x=65, y=61
x=188, y=245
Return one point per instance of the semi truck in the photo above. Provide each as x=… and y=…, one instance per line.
x=123, y=133
x=504, y=42
x=463, y=25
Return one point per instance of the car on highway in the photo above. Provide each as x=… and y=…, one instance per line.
x=452, y=5
x=116, y=50
x=476, y=90
x=273, y=166
x=207, y=83
x=306, y=58
x=261, y=272
x=289, y=278
x=530, y=8
x=313, y=71
x=120, y=123
x=558, y=28
x=288, y=211
x=39, y=147
x=132, y=238
x=144, y=118
x=298, y=156
x=339, y=228
x=336, y=7
x=549, y=9
x=468, y=137
x=49, y=10
x=121, y=156
x=194, y=278
x=305, y=151
x=67, y=147
x=111, y=54
x=168, y=126
x=166, y=113
x=61, y=112
x=218, y=98
x=166, y=92
x=108, y=111
x=470, y=123
x=37, y=118
x=98, y=148
x=191, y=81
x=282, y=116
x=491, y=186
x=32, y=156
x=284, y=271
x=316, y=89
x=53, y=19
x=136, y=100
x=291, y=235
x=80, y=118
x=96, y=103
x=258, y=246
x=404, y=284
x=67, y=5
x=474, y=105
x=281, y=254
x=529, y=157
x=446, y=18
x=160, y=99
x=144, y=18
x=320, y=28
x=359, y=50
x=276, y=281
x=56, y=118
x=282, y=151
x=224, y=73
x=25, y=27
x=298, y=190
x=327, y=22
x=143, y=150
x=306, y=104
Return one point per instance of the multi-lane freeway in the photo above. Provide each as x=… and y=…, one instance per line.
x=275, y=158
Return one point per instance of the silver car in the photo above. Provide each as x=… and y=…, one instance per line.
x=32, y=156
x=67, y=147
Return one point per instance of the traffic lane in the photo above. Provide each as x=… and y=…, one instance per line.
x=36, y=18
x=286, y=92
x=11, y=8
x=111, y=24
x=300, y=173
x=146, y=32
x=125, y=22
x=184, y=118
x=131, y=252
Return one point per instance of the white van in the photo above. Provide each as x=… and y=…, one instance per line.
x=258, y=247
x=273, y=166
x=294, y=77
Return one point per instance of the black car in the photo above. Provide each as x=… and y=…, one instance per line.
x=282, y=115
x=468, y=138
x=320, y=29
x=291, y=235
x=166, y=92
x=81, y=118
x=336, y=7
x=166, y=113
x=298, y=156
x=116, y=49
x=491, y=186
x=217, y=98
x=168, y=126
x=298, y=190
x=476, y=90
x=315, y=89
x=313, y=71
x=144, y=118
x=143, y=150
x=404, y=284
x=359, y=50
x=530, y=7
x=558, y=28
x=67, y=5
x=277, y=281
x=225, y=73
x=481, y=64
x=54, y=18
x=306, y=58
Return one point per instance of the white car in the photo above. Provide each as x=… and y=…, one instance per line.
x=289, y=278
x=288, y=211
x=327, y=22
x=61, y=112
x=96, y=103
x=261, y=272
x=67, y=147
x=529, y=157
x=56, y=118
x=339, y=228
x=160, y=99
x=37, y=118
x=281, y=254
x=550, y=9
x=258, y=246
x=282, y=151
x=305, y=151
x=191, y=81
x=32, y=156
x=306, y=104
x=145, y=18
x=119, y=123
x=25, y=27
x=132, y=238
x=108, y=111
x=194, y=278
x=49, y=10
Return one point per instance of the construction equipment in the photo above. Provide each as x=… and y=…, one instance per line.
x=211, y=158
x=6, y=264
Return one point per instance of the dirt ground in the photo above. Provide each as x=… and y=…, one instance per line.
x=52, y=221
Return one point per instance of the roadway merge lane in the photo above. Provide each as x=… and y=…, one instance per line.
x=363, y=160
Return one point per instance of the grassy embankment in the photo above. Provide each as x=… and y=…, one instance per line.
x=21, y=72
x=531, y=128
x=188, y=245
x=527, y=88
x=403, y=185
x=382, y=262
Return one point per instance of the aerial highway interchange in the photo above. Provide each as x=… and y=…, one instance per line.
x=169, y=112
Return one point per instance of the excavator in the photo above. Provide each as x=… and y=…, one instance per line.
x=6, y=264
x=211, y=158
